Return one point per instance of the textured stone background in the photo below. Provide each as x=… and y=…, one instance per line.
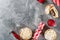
x=13, y=13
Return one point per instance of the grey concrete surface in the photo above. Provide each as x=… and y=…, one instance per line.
x=13, y=13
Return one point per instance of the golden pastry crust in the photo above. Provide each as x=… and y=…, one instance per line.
x=25, y=33
x=50, y=34
x=50, y=7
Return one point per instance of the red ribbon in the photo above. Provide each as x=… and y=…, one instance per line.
x=16, y=35
x=38, y=31
x=57, y=2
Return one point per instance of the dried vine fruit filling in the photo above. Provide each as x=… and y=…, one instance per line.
x=52, y=12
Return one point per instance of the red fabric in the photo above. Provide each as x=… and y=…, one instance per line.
x=57, y=2
x=38, y=31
